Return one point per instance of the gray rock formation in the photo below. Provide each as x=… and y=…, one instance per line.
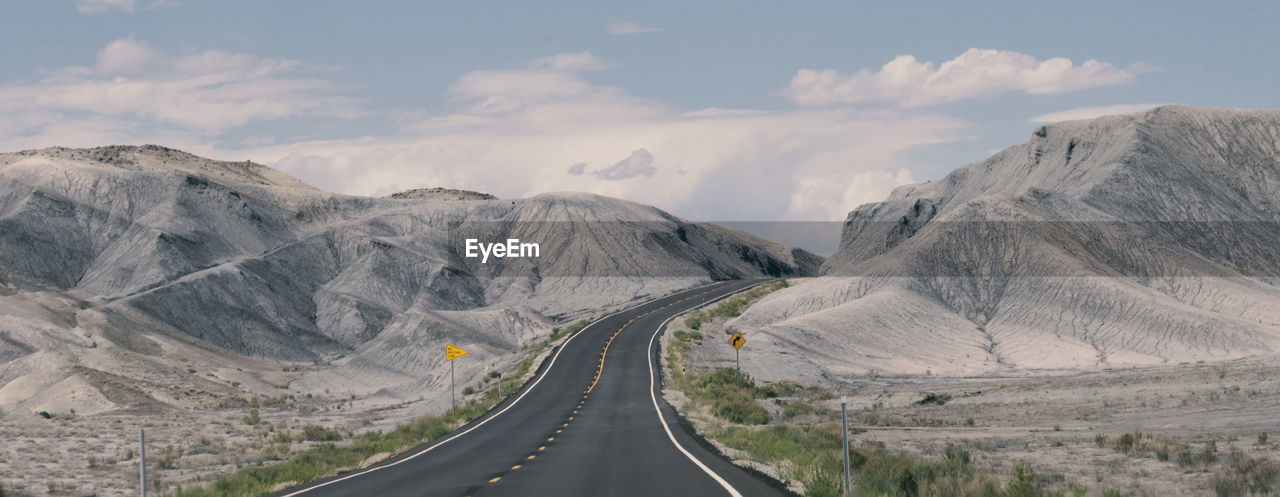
x=147, y=250
x=1125, y=240
x=439, y=193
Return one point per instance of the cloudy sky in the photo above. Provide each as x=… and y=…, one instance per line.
x=712, y=110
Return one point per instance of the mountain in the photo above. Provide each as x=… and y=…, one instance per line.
x=127, y=266
x=1139, y=239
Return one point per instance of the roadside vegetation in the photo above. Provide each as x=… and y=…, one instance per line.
x=334, y=454
x=804, y=440
x=733, y=306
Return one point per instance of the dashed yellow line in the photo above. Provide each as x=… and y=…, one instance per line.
x=605, y=352
x=599, y=372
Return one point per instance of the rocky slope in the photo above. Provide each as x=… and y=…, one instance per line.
x=125, y=269
x=1125, y=240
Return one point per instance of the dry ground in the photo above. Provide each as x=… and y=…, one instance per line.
x=1053, y=419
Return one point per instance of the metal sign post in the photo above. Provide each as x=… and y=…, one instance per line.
x=737, y=341
x=844, y=422
x=451, y=353
x=142, y=460
x=737, y=364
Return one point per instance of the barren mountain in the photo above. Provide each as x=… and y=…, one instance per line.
x=1125, y=240
x=124, y=270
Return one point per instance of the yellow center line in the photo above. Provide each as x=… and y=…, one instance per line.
x=599, y=371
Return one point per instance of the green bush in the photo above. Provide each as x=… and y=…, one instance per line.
x=729, y=377
x=797, y=409
x=317, y=433
x=737, y=407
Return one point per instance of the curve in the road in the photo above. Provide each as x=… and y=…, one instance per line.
x=551, y=440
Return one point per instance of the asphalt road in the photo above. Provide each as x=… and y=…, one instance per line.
x=588, y=424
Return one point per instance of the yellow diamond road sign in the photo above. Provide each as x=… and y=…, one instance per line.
x=737, y=341
x=451, y=352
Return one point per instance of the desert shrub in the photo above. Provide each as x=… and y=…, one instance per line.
x=1127, y=441
x=1246, y=475
x=1189, y=458
x=167, y=457
x=317, y=433
x=252, y=418
x=469, y=390
x=1023, y=481
x=797, y=409
x=729, y=377
x=737, y=407
x=327, y=458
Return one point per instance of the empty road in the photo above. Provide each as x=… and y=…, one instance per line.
x=592, y=422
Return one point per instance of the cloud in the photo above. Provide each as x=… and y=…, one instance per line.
x=513, y=133
x=639, y=163
x=517, y=129
x=576, y=61
x=621, y=27
x=95, y=6
x=977, y=73
x=1091, y=112
x=203, y=93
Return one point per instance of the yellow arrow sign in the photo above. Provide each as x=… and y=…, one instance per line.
x=737, y=341
x=451, y=352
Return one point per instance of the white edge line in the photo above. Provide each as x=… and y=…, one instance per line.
x=514, y=402
x=732, y=491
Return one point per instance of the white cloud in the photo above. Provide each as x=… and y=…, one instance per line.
x=639, y=163
x=92, y=6
x=576, y=61
x=1091, y=112
x=977, y=73
x=621, y=27
x=203, y=92
x=567, y=133
x=162, y=3
x=517, y=132
x=95, y=6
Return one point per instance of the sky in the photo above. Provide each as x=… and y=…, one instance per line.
x=714, y=110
